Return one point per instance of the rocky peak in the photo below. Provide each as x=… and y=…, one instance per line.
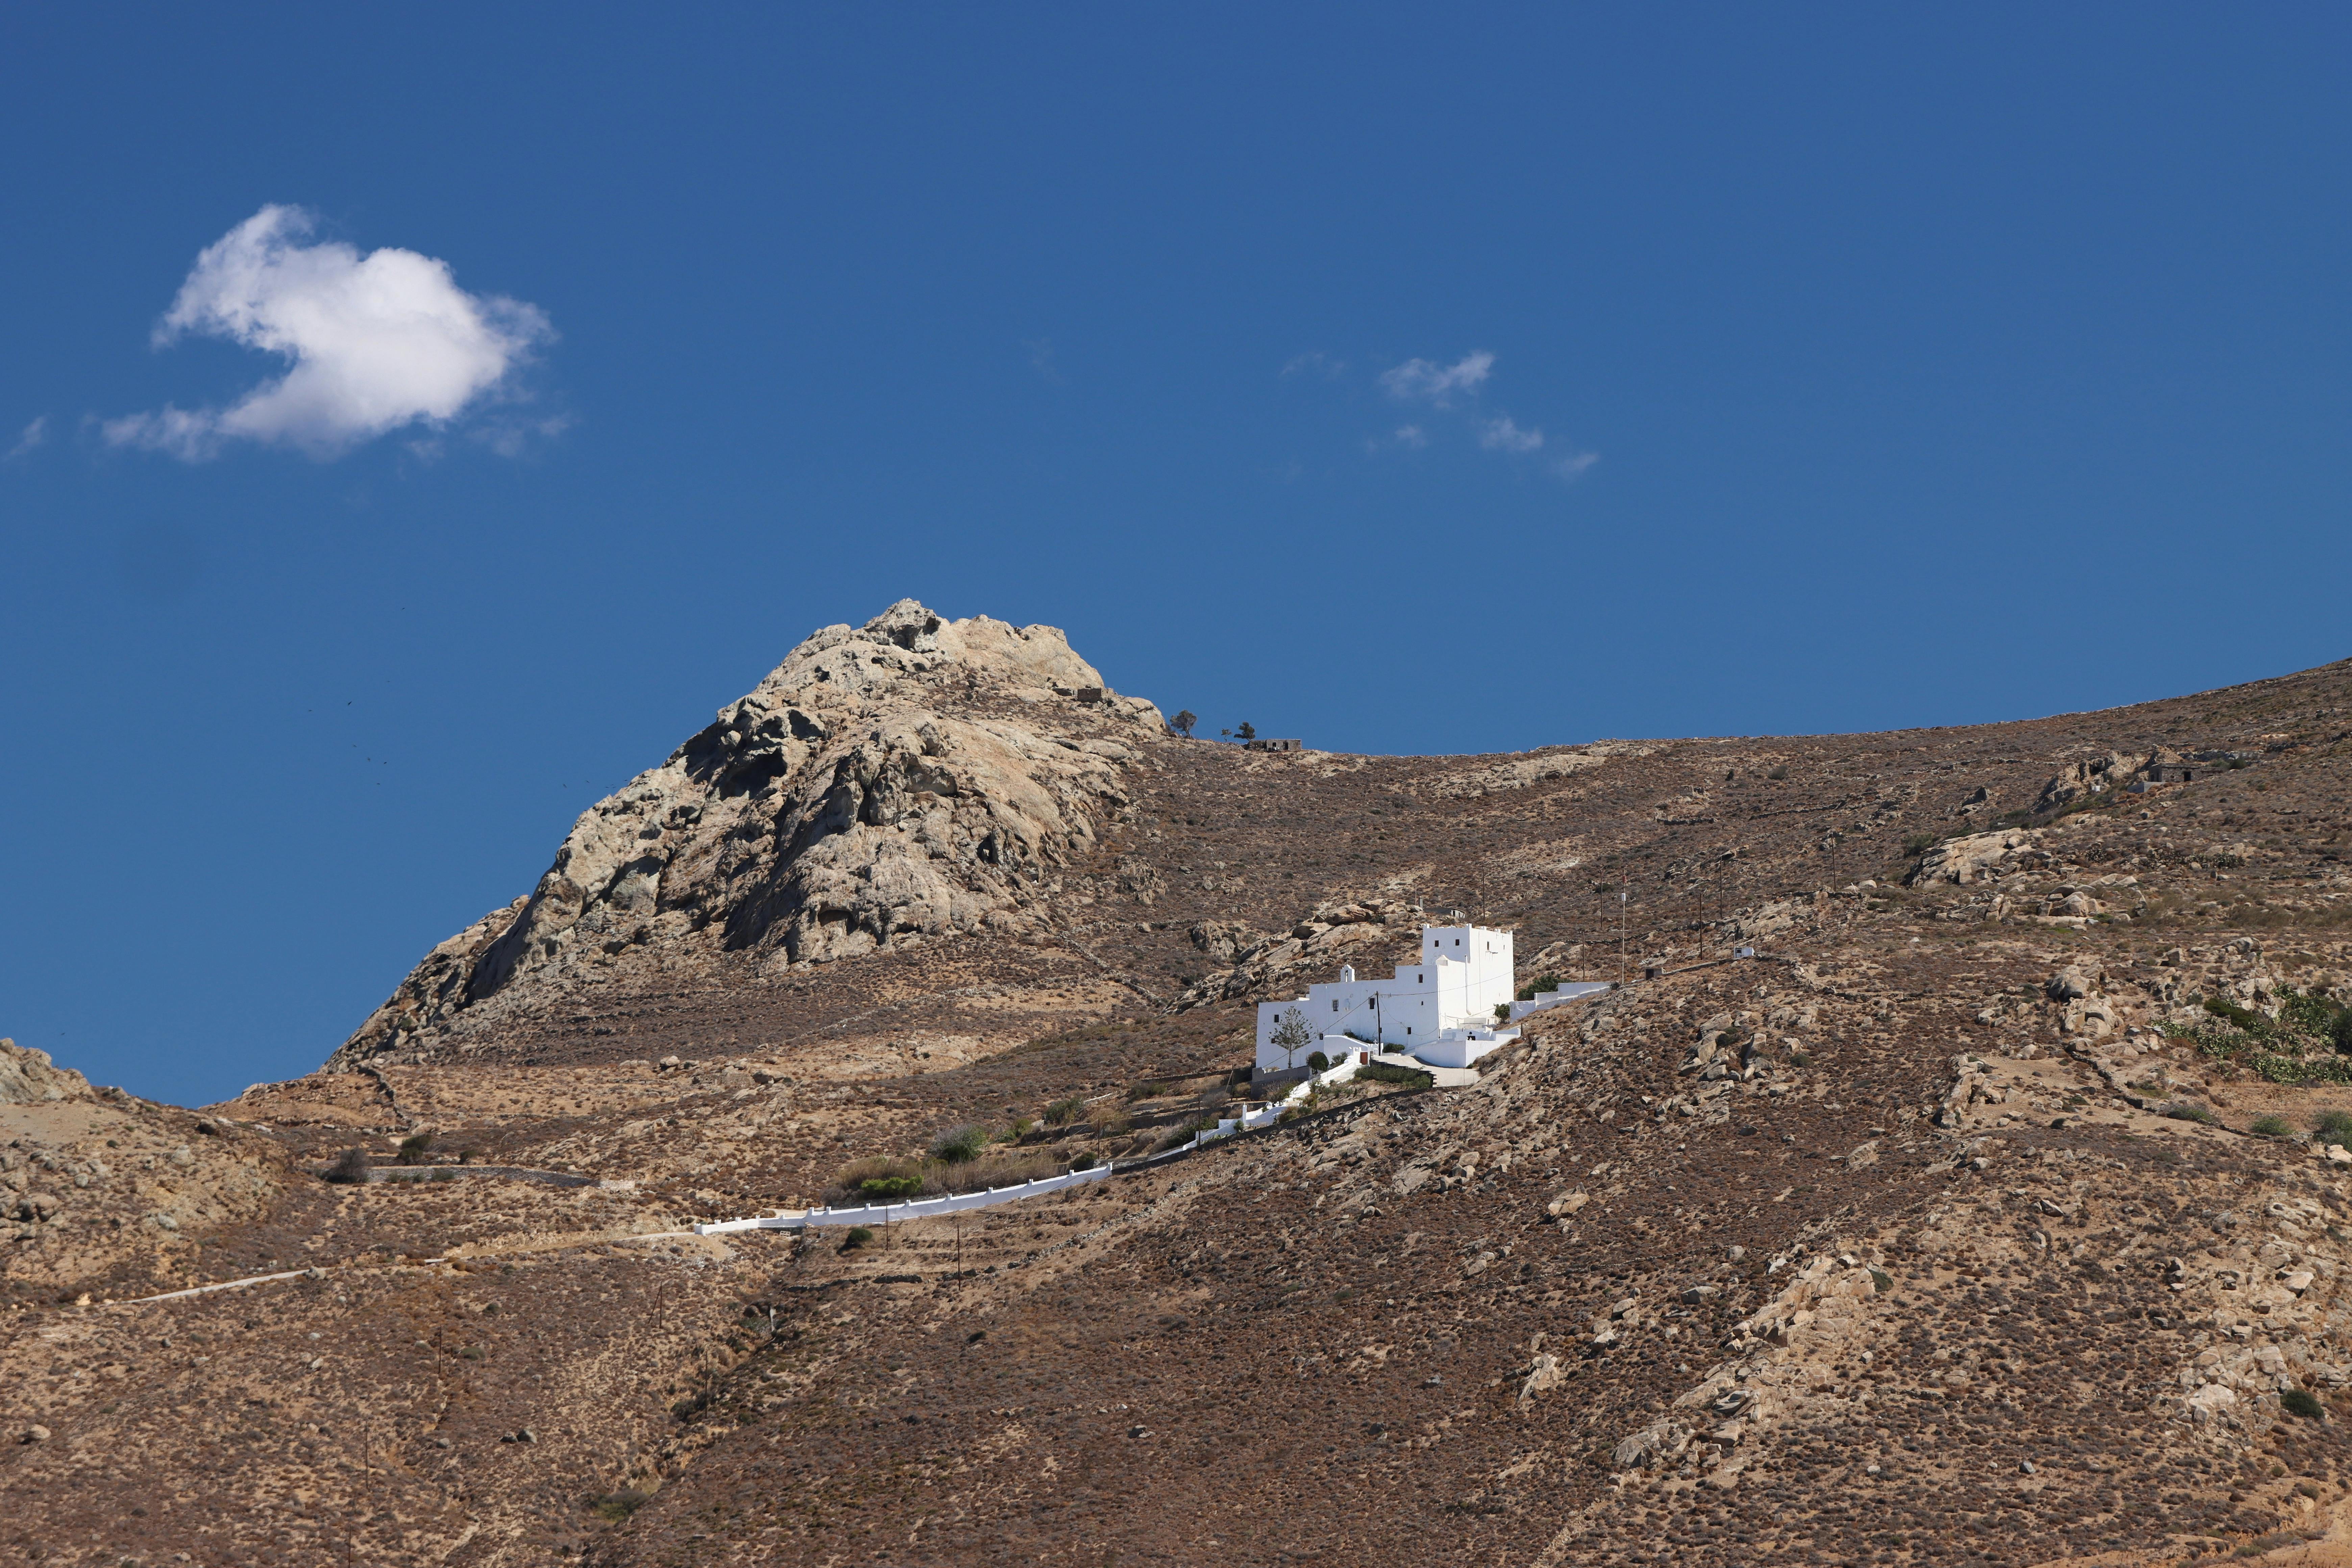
x=27, y=1076
x=886, y=784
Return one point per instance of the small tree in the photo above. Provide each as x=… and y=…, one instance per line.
x=1246, y=731
x=1291, y=1035
x=350, y=1166
x=1183, y=721
x=960, y=1145
x=414, y=1147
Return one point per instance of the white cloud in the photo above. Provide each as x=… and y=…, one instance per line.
x=377, y=342
x=1041, y=358
x=34, y=435
x=1503, y=435
x=1316, y=360
x=1412, y=435
x=1573, y=468
x=1421, y=378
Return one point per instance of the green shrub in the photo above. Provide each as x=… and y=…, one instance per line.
x=1062, y=1112
x=889, y=1188
x=2302, y=1402
x=1143, y=1091
x=2181, y=1110
x=414, y=1147
x=1778, y=772
x=859, y=1236
x=2339, y=1031
x=1540, y=983
x=350, y=1166
x=1918, y=844
x=2333, y=1127
x=2244, y=1018
x=445, y=1174
x=1388, y=1072
x=618, y=1505
x=960, y=1145
x=1083, y=1162
x=2271, y=1126
x=1318, y=1061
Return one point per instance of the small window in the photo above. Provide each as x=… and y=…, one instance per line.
x=1335, y=1004
x=1408, y=1028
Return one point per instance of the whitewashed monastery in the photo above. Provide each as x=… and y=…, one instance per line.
x=1441, y=1010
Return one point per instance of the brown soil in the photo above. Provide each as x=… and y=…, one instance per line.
x=1596, y=1308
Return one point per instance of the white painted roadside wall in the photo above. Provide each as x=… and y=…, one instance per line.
x=1568, y=992
x=898, y=1214
x=961, y=1203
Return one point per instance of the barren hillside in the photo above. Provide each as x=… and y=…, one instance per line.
x=1992, y=1210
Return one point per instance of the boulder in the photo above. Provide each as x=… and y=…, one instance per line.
x=1548, y=1373
x=2093, y=776
x=1659, y=1441
x=1959, y=860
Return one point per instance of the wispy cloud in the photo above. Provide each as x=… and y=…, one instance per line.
x=34, y=435
x=1041, y=359
x=1572, y=468
x=1426, y=381
x=1316, y=363
x=1501, y=435
x=1412, y=435
x=376, y=341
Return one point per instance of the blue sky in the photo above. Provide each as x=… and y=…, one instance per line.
x=1428, y=379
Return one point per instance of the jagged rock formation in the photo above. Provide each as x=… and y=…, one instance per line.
x=27, y=1076
x=887, y=783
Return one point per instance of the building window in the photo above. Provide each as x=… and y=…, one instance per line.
x=1335, y=1004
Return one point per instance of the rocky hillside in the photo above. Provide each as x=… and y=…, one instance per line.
x=1995, y=1210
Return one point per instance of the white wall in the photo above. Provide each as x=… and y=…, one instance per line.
x=898, y=1214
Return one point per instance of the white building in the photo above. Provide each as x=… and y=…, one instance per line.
x=1440, y=1009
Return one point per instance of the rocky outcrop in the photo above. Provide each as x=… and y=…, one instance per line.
x=27, y=1076
x=2097, y=776
x=1256, y=964
x=895, y=781
x=1963, y=859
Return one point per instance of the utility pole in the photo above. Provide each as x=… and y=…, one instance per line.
x=1624, y=887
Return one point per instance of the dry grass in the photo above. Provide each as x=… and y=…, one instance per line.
x=937, y=1178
